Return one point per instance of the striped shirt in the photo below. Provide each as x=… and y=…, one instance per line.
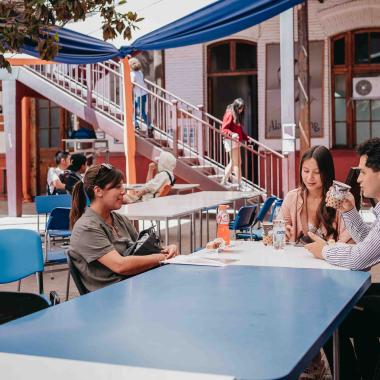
x=366, y=252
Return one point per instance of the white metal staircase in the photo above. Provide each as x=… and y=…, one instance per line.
x=94, y=93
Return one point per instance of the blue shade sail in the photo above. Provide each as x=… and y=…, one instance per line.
x=216, y=20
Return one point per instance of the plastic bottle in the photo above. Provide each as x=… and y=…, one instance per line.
x=223, y=221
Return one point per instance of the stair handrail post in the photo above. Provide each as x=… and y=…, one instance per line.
x=89, y=85
x=201, y=132
x=175, y=126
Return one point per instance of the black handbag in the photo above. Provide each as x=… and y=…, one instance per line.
x=146, y=244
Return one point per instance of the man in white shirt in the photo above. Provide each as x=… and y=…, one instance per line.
x=363, y=323
x=55, y=185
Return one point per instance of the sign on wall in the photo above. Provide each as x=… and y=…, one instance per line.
x=273, y=90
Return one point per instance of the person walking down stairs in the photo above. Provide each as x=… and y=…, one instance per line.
x=233, y=130
x=140, y=95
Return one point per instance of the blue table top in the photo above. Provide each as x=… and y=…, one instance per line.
x=248, y=322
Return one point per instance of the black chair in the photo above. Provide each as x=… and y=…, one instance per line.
x=14, y=305
x=76, y=277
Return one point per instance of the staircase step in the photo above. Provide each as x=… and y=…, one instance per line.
x=190, y=160
x=163, y=143
x=215, y=177
x=205, y=169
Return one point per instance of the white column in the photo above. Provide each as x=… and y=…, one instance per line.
x=287, y=98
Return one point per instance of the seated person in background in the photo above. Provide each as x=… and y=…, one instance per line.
x=100, y=236
x=159, y=175
x=54, y=184
x=304, y=209
x=74, y=172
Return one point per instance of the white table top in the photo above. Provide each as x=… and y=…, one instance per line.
x=174, y=206
x=63, y=369
x=178, y=187
x=254, y=253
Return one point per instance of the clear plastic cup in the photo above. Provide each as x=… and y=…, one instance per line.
x=337, y=194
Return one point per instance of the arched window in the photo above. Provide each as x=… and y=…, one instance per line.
x=355, y=54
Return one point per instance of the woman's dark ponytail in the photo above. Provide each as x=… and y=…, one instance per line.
x=78, y=205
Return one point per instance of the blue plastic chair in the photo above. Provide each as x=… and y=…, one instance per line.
x=256, y=234
x=275, y=209
x=244, y=219
x=45, y=204
x=20, y=256
x=58, y=225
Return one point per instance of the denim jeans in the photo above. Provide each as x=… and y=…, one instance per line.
x=140, y=109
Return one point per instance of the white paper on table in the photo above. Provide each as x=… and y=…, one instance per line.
x=256, y=254
x=198, y=260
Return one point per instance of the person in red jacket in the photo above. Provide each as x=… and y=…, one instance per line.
x=233, y=130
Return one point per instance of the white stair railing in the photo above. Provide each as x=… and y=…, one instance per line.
x=187, y=128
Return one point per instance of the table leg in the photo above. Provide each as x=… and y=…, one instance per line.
x=191, y=233
x=194, y=230
x=200, y=229
x=167, y=232
x=336, y=374
x=208, y=226
x=179, y=235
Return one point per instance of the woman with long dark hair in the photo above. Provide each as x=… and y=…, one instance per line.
x=232, y=128
x=304, y=209
x=100, y=236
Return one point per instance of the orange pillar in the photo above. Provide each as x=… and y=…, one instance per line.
x=129, y=130
x=25, y=122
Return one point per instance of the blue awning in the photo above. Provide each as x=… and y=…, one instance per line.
x=76, y=48
x=216, y=20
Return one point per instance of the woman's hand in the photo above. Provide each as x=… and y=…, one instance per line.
x=289, y=231
x=140, y=193
x=152, y=166
x=170, y=251
x=235, y=136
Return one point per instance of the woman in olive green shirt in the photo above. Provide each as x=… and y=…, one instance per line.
x=100, y=236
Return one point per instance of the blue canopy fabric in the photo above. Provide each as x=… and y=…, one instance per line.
x=219, y=19
x=214, y=21
x=76, y=48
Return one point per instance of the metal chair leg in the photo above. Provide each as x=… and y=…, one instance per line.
x=68, y=285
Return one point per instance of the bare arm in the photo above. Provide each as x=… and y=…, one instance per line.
x=151, y=171
x=59, y=185
x=132, y=264
x=136, y=264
